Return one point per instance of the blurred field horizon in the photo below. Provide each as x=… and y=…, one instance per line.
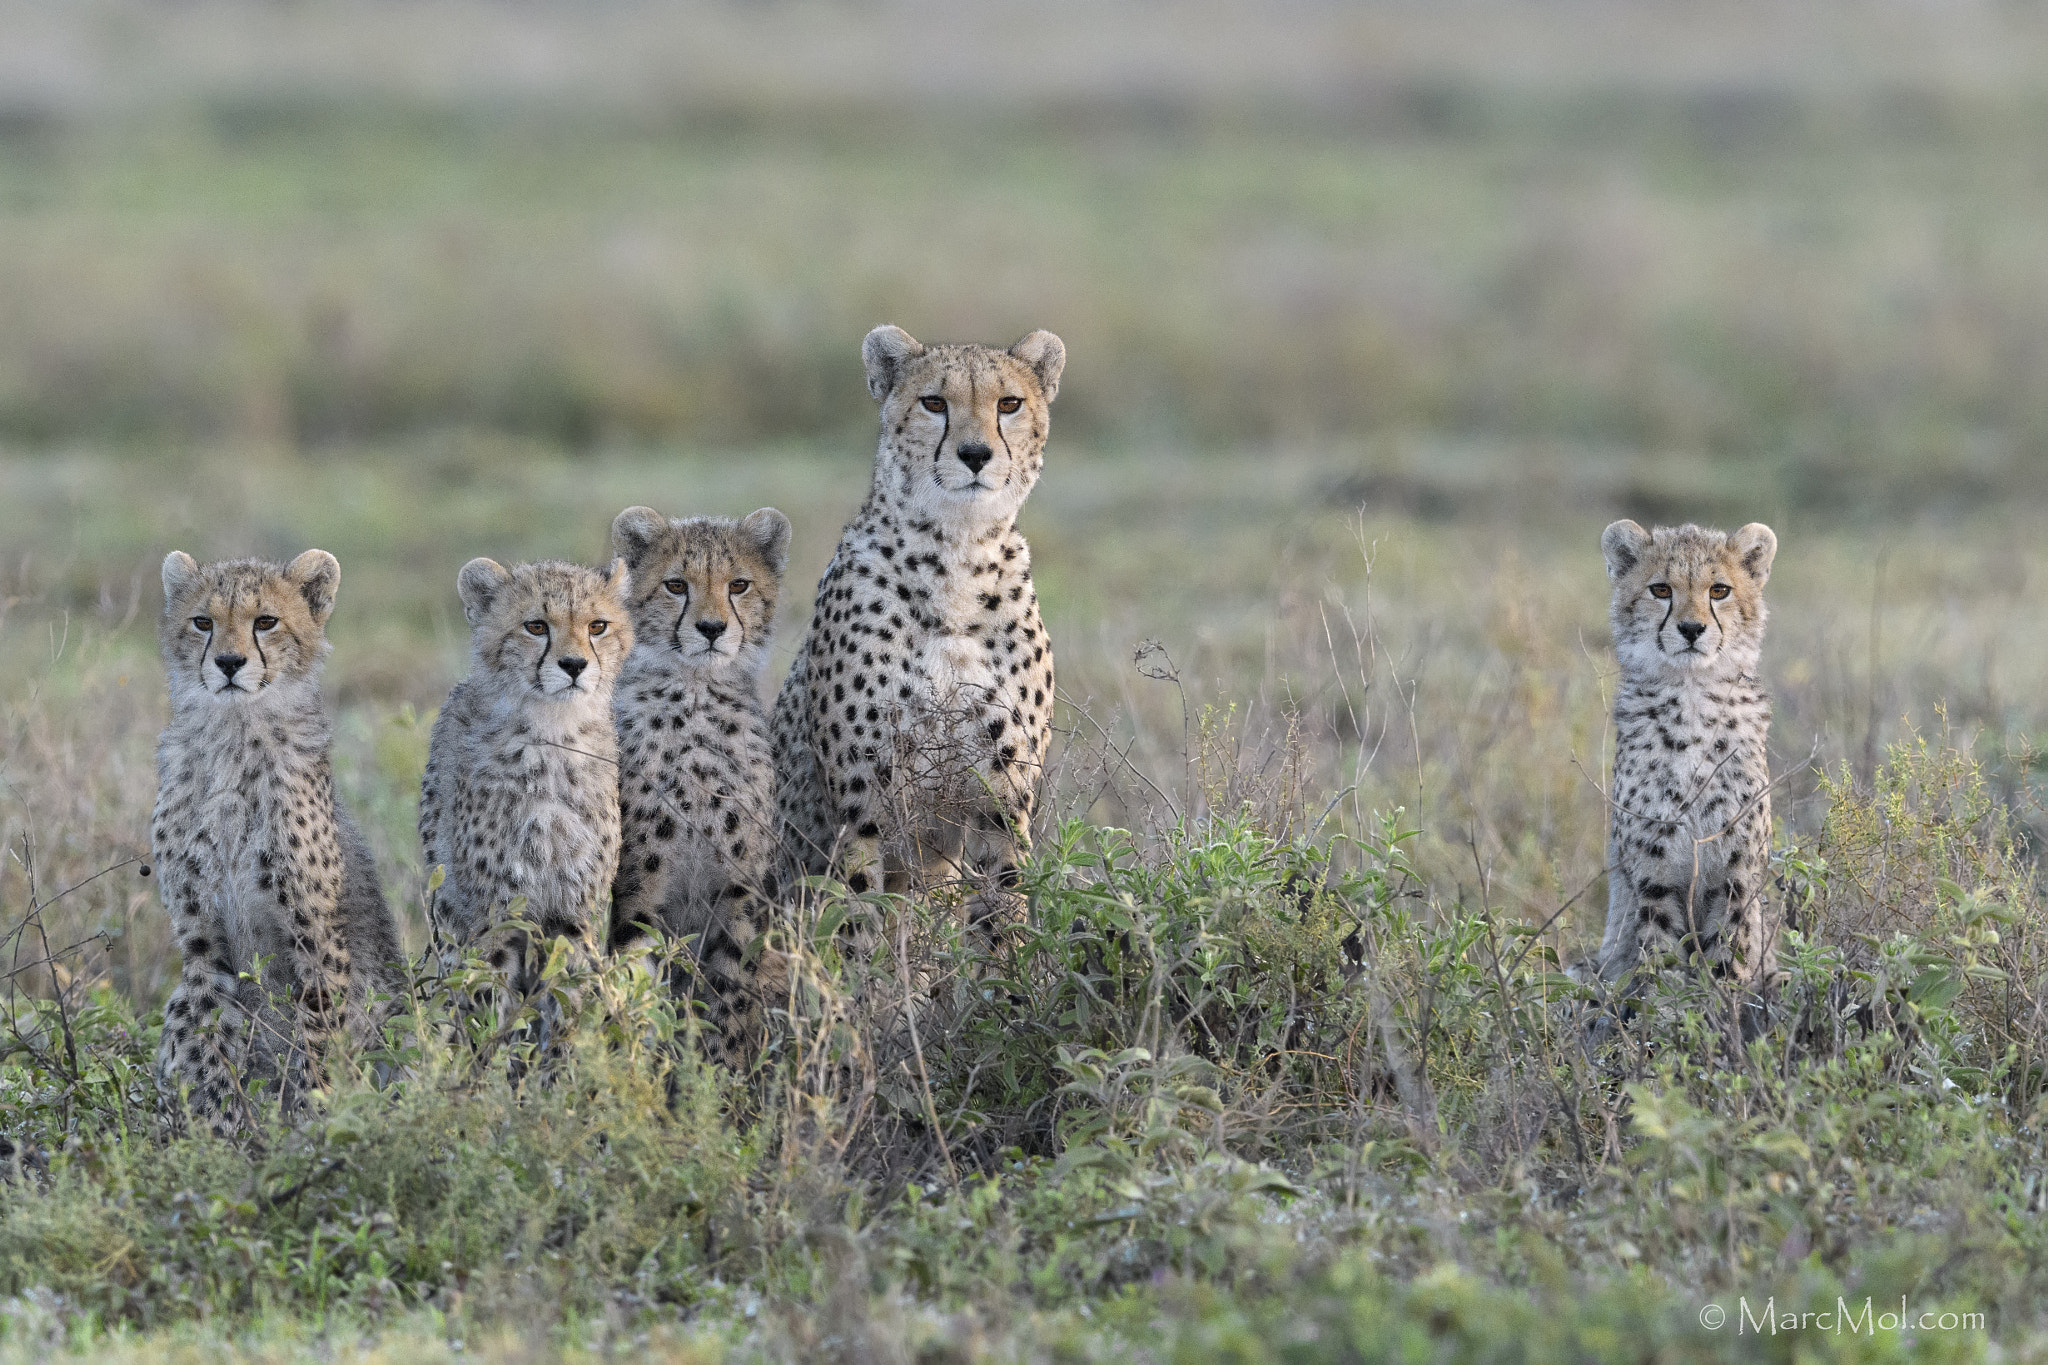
x=1794, y=241
x=1376, y=314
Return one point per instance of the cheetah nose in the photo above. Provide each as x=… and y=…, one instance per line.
x=571, y=666
x=711, y=630
x=228, y=664
x=974, y=455
x=1692, y=630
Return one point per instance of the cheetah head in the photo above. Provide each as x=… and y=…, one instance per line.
x=963, y=427
x=245, y=628
x=1688, y=599
x=550, y=629
x=704, y=587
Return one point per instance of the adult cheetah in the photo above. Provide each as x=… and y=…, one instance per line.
x=910, y=733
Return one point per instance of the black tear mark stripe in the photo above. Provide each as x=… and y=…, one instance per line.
x=675, y=632
x=256, y=640
x=1010, y=465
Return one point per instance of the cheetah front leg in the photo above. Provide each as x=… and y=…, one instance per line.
x=859, y=862
x=205, y=1044
x=732, y=974
x=1751, y=931
x=319, y=973
x=204, y=1049
x=857, y=793
x=1621, y=944
x=998, y=844
x=998, y=837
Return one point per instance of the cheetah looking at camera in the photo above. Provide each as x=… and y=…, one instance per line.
x=521, y=792
x=696, y=773
x=911, y=730
x=256, y=858
x=1690, y=839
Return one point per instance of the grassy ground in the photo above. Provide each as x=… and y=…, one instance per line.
x=1376, y=315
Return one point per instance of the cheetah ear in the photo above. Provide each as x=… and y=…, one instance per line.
x=181, y=571
x=1755, y=545
x=1624, y=543
x=883, y=351
x=1046, y=354
x=770, y=530
x=618, y=578
x=479, y=582
x=633, y=530
x=317, y=576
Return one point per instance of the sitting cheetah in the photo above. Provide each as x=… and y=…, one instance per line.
x=521, y=792
x=910, y=732
x=255, y=856
x=1689, y=842
x=696, y=775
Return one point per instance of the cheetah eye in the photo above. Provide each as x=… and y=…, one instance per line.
x=204, y=623
x=536, y=627
x=266, y=623
x=1008, y=404
x=739, y=586
x=934, y=404
x=1719, y=591
x=1660, y=591
x=598, y=628
x=676, y=586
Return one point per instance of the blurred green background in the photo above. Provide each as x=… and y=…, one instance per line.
x=1800, y=240
x=1717, y=260
x=1376, y=313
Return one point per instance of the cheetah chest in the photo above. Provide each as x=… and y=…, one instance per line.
x=956, y=673
x=550, y=806
x=960, y=681
x=237, y=851
x=701, y=774
x=1692, y=766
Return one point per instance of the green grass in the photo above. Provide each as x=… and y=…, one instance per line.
x=1244, y=1089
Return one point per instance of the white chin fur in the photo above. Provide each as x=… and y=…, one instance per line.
x=970, y=506
x=207, y=691
x=220, y=685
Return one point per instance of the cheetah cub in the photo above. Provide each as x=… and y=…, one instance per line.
x=696, y=774
x=911, y=729
x=521, y=792
x=255, y=856
x=1689, y=841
